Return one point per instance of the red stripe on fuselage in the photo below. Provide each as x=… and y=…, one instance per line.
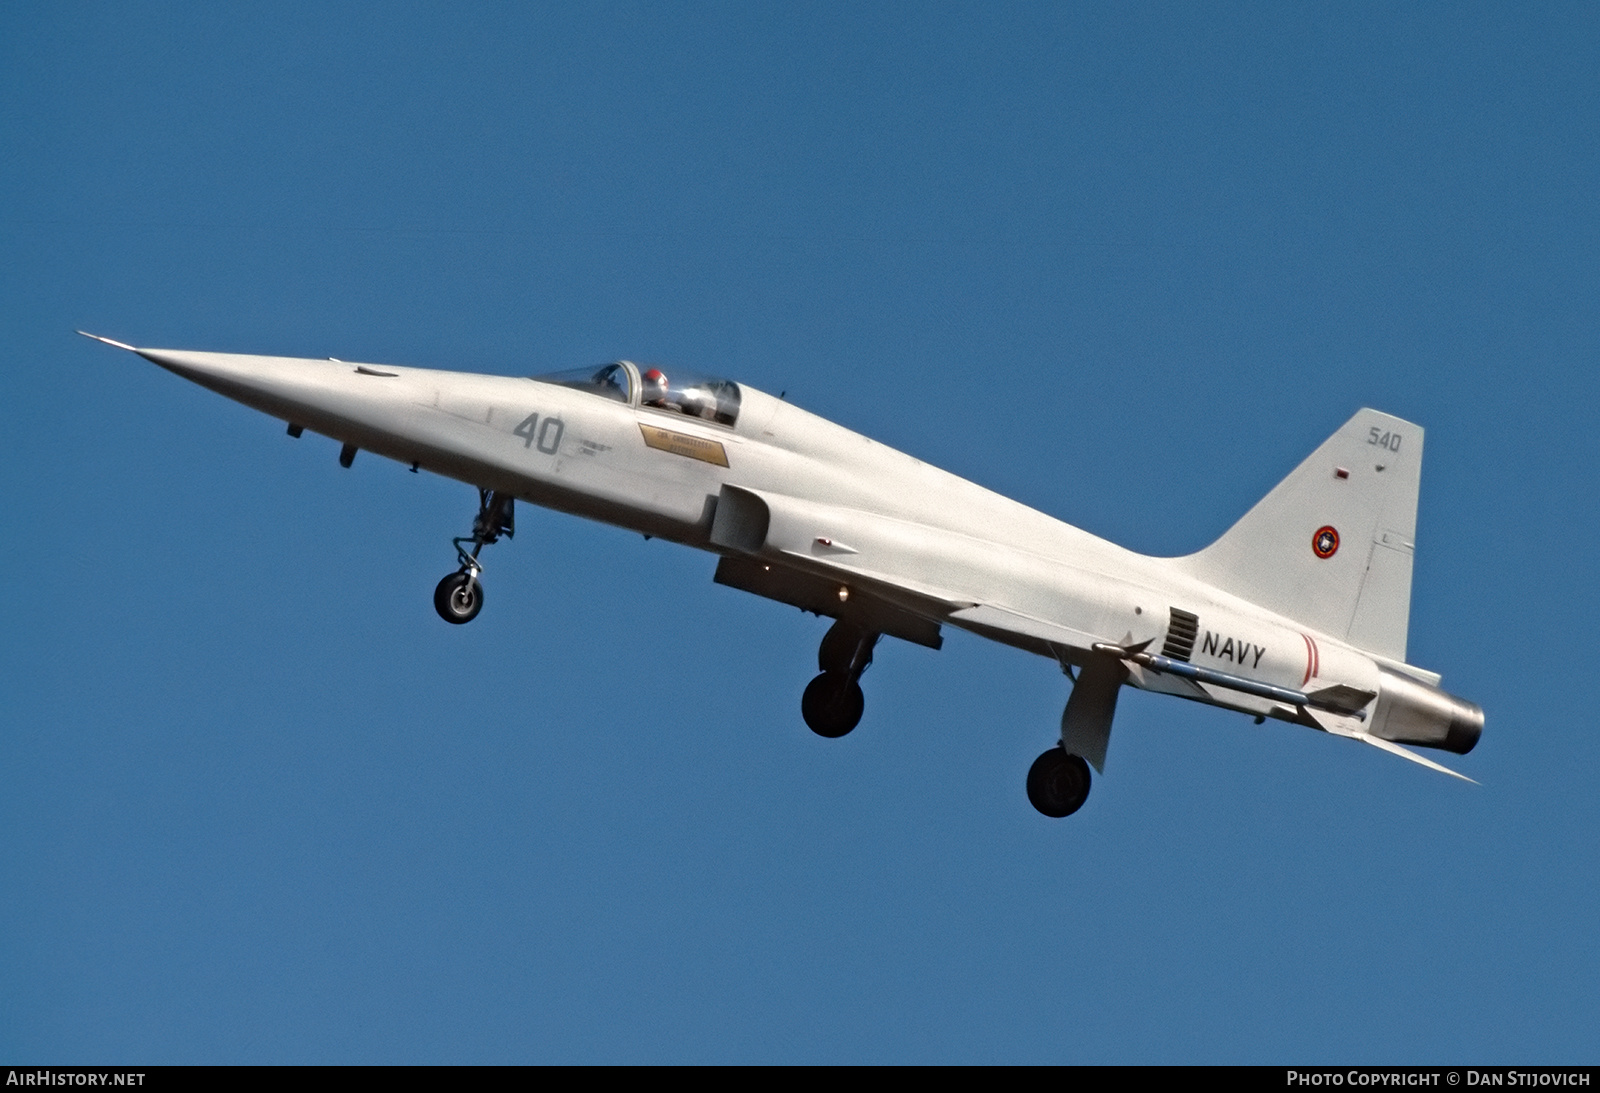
x=1313, y=659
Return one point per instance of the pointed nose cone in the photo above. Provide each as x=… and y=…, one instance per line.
x=332, y=397
x=368, y=406
x=274, y=385
x=226, y=373
x=262, y=382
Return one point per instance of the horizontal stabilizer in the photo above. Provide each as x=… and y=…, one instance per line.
x=1340, y=699
x=1407, y=753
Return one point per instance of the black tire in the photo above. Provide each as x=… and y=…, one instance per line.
x=458, y=599
x=1058, y=783
x=832, y=704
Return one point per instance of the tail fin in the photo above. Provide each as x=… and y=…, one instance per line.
x=1330, y=547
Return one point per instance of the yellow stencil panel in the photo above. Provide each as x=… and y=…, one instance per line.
x=707, y=451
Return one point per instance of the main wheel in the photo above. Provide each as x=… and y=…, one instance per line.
x=832, y=704
x=458, y=598
x=1058, y=783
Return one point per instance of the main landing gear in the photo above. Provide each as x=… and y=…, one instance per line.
x=833, y=702
x=459, y=597
x=1058, y=783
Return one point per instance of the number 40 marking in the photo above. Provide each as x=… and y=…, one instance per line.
x=546, y=435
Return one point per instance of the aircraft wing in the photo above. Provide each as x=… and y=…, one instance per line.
x=1015, y=628
x=896, y=576
x=872, y=605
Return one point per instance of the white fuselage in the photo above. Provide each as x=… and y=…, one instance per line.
x=837, y=505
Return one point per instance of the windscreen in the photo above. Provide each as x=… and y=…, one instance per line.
x=607, y=381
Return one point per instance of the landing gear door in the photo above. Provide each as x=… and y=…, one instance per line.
x=1086, y=722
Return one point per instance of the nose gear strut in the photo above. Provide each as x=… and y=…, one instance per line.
x=459, y=597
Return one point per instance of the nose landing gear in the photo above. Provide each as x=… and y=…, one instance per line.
x=459, y=597
x=833, y=702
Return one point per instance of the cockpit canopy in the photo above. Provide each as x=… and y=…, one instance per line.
x=670, y=390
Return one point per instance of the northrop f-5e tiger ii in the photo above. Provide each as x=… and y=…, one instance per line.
x=1298, y=613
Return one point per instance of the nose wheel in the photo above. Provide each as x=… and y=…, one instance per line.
x=459, y=597
x=833, y=703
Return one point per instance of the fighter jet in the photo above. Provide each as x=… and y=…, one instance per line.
x=1298, y=613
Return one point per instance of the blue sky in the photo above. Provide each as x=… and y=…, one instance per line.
x=1126, y=263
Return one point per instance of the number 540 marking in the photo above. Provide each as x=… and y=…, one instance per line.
x=546, y=434
x=1387, y=441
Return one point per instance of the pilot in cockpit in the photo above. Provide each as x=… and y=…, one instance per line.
x=655, y=391
x=658, y=393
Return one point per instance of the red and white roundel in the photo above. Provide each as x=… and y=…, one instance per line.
x=1325, y=543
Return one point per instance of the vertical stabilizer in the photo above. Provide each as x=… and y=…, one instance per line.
x=1330, y=547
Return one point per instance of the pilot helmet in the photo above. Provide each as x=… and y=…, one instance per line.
x=655, y=378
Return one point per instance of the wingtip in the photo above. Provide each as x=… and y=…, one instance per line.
x=108, y=341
